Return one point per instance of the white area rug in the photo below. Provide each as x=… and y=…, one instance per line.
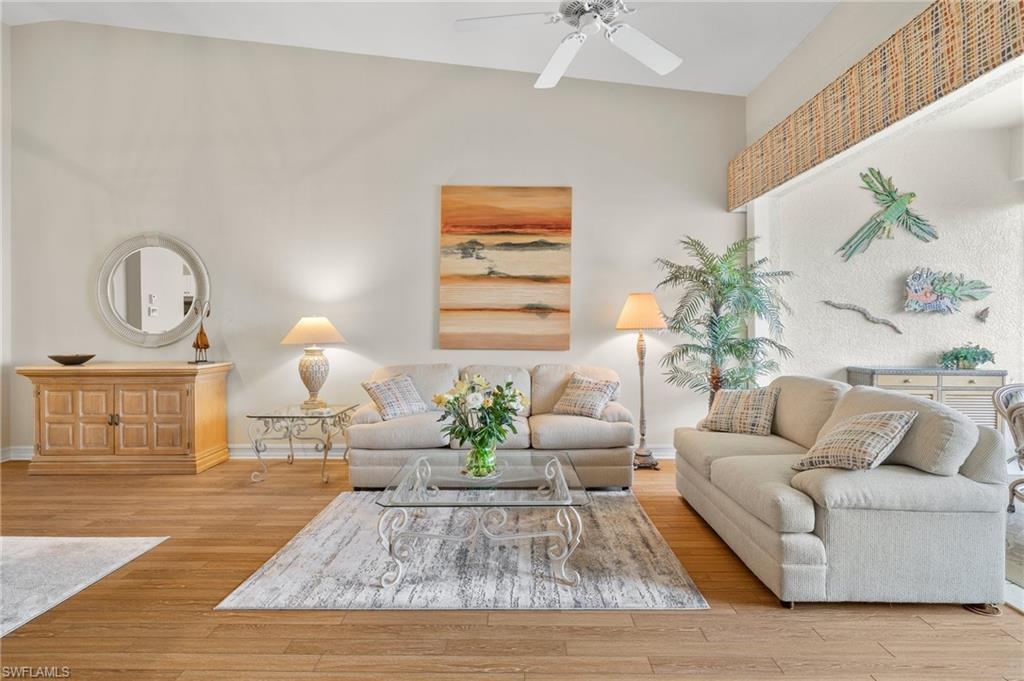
x=37, y=573
x=335, y=562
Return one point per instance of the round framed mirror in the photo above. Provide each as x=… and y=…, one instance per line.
x=152, y=289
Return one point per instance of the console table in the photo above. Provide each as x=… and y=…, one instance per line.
x=969, y=391
x=140, y=417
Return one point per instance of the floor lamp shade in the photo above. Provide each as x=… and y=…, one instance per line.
x=641, y=313
x=313, y=367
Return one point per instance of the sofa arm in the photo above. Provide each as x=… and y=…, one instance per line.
x=366, y=413
x=987, y=461
x=616, y=413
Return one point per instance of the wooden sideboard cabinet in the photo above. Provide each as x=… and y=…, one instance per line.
x=969, y=391
x=149, y=417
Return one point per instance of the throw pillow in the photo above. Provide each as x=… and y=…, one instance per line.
x=742, y=411
x=585, y=397
x=395, y=397
x=859, y=443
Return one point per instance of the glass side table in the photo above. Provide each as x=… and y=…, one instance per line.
x=291, y=423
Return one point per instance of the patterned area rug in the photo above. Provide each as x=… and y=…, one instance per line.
x=37, y=573
x=336, y=562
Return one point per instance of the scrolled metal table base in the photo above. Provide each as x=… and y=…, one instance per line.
x=292, y=428
x=400, y=541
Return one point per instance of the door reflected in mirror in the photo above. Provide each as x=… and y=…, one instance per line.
x=152, y=289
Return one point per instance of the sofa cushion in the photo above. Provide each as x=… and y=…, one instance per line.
x=548, y=382
x=700, y=448
x=858, y=443
x=429, y=379
x=367, y=413
x=517, y=440
x=760, y=484
x=742, y=411
x=408, y=432
x=899, y=488
x=557, y=431
x=615, y=412
x=585, y=397
x=939, y=441
x=497, y=374
x=805, y=403
x=395, y=397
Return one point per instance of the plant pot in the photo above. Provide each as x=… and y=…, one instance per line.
x=481, y=461
x=967, y=365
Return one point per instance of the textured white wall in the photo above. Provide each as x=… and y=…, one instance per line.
x=851, y=30
x=964, y=187
x=309, y=182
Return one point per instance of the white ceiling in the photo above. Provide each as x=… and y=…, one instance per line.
x=727, y=47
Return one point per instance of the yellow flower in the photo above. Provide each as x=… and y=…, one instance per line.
x=441, y=399
x=459, y=387
x=479, y=380
x=488, y=402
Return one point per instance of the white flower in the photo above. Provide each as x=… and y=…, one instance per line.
x=474, y=400
x=517, y=406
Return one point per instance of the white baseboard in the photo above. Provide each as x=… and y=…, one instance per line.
x=23, y=453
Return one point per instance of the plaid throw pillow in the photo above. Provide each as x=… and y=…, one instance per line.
x=585, y=397
x=742, y=411
x=859, y=443
x=395, y=397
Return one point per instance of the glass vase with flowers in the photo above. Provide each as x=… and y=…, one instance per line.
x=482, y=415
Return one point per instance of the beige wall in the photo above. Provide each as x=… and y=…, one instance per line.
x=964, y=186
x=5, y=229
x=309, y=182
x=849, y=32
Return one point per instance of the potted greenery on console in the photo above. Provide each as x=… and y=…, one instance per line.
x=969, y=356
x=719, y=294
x=482, y=415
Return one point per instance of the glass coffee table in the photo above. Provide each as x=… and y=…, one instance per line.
x=547, y=484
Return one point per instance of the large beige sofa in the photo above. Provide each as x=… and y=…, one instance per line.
x=601, y=449
x=892, y=534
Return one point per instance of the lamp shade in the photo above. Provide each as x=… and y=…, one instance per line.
x=640, y=312
x=313, y=331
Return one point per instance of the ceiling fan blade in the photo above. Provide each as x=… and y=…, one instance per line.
x=506, y=21
x=645, y=50
x=560, y=60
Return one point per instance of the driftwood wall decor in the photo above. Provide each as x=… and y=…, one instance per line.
x=867, y=315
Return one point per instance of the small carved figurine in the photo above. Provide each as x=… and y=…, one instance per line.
x=202, y=343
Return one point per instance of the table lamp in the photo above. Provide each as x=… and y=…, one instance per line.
x=641, y=313
x=313, y=367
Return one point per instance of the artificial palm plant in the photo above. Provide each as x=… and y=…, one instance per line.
x=720, y=293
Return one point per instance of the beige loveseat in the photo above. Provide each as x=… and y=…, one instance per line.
x=601, y=449
x=893, y=534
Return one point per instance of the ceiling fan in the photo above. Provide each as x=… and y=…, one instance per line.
x=587, y=18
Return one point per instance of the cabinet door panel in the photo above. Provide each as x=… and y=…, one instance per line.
x=171, y=409
x=75, y=419
x=132, y=402
x=58, y=401
x=154, y=419
x=58, y=437
x=95, y=438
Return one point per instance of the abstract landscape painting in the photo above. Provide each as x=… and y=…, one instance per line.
x=505, y=266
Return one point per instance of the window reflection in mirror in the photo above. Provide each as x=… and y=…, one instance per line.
x=152, y=289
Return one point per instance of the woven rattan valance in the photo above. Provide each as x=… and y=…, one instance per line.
x=946, y=46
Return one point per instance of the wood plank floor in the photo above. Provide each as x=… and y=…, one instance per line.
x=154, y=618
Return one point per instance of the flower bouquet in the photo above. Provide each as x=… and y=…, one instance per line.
x=482, y=415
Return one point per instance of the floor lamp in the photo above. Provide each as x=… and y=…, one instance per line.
x=641, y=313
